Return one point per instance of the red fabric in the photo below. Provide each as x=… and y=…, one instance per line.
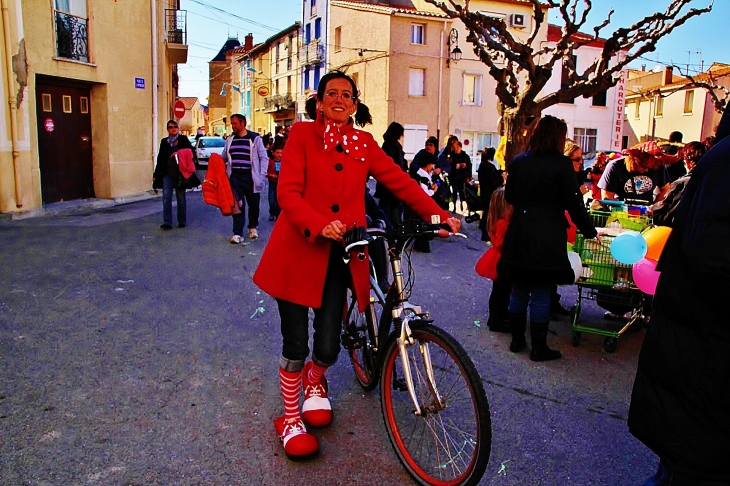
x=185, y=162
x=487, y=265
x=216, y=187
x=572, y=229
x=352, y=143
x=595, y=190
x=271, y=174
x=294, y=263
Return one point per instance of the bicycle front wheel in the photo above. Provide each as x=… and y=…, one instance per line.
x=449, y=442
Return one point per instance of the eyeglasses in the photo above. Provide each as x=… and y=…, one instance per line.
x=577, y=159
x=169, y=127
x=333, y=95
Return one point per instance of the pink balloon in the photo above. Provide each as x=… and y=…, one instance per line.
x=646, y=276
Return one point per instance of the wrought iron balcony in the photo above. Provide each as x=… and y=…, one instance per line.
x=176, y=32
x=312, y=53
x=278, y=102
x=72, y=40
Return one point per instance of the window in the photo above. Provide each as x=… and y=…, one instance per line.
x=565, y=81
x=338, y=39
x=637, y=111
x=416, y=82
x=472, y=89
x=46, y=102
x=600, y=98
x=587, y=138
x=306, y=78
x=659, y=108
x=71, y=21
x=476, y=142
x=84, y=104
x=689, y=101
x=317, y=73
x=418, y=33
x=66, y=101
x=317, y=28
x=307, y=33
x=414, y=138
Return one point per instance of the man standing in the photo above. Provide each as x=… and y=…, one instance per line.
x=246, y=163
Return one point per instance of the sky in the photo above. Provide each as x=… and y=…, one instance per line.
x=210, y=22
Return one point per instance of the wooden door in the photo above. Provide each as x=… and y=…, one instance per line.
x=64, y=142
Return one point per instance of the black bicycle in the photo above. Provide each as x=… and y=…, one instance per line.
x=433, y=401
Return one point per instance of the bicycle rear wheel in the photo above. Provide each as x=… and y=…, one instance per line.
x=359, y=339
x=450, y=442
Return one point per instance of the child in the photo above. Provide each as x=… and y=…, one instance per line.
x=272, y=174
x=500, y=213
x=424, y=177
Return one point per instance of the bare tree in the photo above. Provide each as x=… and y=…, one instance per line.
x=522, y=70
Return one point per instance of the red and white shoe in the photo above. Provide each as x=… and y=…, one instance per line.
x=293, y=434
x=316, y=409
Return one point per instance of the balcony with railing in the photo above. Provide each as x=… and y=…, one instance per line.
x=176, y=33
x=278, y=103
x=312, y=53
x=72, y=37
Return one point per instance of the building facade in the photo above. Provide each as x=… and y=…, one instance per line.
x=313, y=49
x=90, y=100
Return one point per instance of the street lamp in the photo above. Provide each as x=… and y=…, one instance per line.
x=235, y=88
x=455, y=52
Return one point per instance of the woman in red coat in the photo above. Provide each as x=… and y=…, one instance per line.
x=321, y=182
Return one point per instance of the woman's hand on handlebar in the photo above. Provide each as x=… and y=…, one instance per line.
x=454, y=224
x=335, y=230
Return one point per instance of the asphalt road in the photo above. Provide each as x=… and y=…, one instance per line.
x=132, y=356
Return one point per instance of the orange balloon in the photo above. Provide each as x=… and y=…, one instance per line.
x=656, y=238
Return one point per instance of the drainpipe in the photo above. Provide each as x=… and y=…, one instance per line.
x=441, y=77
x=11, y=103
x=155, y=123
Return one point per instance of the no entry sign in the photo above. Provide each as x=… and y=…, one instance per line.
x=48, y=124
x=179, y=109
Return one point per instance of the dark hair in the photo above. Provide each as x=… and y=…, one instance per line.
x=433, y=141
x=489, y=153
x=239, y=117
x=362, y=115
x=278, y=144
x=694, y=151
x=425, y=159
x=394, y=132
x=675, y=137
x=171, y=121
x=450, y=141
x=310, y=107
x=549, y=136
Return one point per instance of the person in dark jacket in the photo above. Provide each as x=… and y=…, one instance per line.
x=490, y=179
x=461, y=173
x=680, y=404
x=392, y=147
x=541, y=186
x=167, y=175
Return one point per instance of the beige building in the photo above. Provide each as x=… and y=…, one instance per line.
x=269, y=81
x=396, y=55
x=220, y=97
x=660, y=102
x=194, y=116
x=88, y=99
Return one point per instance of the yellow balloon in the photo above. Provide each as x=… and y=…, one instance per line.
x=656, y=238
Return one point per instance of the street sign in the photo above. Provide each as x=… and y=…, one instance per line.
x=179, y=109
x=139, y=83
x=48, y=124
x=263, y=90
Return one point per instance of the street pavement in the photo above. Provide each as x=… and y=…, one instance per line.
x=133, y=356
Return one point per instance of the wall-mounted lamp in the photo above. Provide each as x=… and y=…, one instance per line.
x=223, y=88
x=454, y=52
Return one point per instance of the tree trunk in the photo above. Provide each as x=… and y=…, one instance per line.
x=517, y=125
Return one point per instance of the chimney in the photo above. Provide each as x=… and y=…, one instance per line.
x=248, y=42
x=667, y=76
x=643, y=67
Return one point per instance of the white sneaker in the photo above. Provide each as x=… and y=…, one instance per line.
x=235, y=239
x=253, y=234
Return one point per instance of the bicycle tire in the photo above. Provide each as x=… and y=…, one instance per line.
x=361, y=353
x=443, y=447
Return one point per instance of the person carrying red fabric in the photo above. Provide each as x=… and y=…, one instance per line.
x=324, y=169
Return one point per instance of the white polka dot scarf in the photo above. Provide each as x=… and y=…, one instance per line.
x=352, y=143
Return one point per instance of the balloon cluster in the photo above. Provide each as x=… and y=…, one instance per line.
x=642, y=250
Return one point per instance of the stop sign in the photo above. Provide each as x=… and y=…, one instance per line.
x=179, y=109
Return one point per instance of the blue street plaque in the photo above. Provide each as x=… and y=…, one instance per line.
x=139, y=83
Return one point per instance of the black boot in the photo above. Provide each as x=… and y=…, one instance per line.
x=497, y=323
x=517, y=324
x=538, y=339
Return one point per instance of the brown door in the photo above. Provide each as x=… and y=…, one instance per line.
x=64, y=142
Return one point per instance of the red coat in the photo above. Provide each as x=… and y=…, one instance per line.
x=316, y=188
x=216, y=187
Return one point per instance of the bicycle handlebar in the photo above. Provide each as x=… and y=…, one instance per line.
x=360, y=236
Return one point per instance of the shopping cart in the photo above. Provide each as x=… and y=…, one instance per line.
x=606, y=281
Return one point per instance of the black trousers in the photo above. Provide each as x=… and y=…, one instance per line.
x=242, y=185
x=327, y=319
